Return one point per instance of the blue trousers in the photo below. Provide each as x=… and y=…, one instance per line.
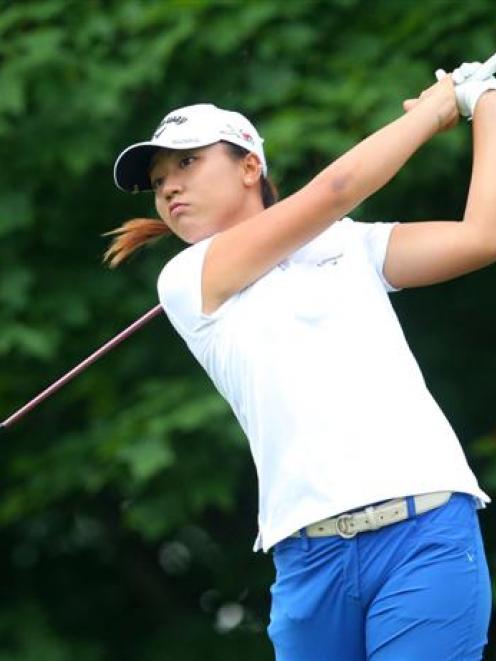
x=418, y=590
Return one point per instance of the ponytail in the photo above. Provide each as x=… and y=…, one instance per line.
x=130, y=236
x=138, y=232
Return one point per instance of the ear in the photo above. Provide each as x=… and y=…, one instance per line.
x=252, y=170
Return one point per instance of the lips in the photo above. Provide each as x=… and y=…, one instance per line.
x=176, y=208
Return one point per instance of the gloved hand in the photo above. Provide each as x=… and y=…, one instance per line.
x=469, y=92
x=468, y=89
x=464, y=72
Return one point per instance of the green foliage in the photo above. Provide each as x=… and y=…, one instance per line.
x=37, y=641
x=128, y=499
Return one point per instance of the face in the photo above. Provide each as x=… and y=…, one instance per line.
x=202, y=191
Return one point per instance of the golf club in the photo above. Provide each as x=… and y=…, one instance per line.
x=486, y=69
x=136, y=325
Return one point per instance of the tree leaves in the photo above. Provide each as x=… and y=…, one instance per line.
x=109, y=475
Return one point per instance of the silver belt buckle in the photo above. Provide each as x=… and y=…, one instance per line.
x=343, y=526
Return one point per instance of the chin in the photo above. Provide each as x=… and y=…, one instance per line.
x=193, y=235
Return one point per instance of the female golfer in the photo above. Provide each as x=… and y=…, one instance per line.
x=365, y=495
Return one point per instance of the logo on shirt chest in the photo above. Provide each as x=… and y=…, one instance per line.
x=333, y=260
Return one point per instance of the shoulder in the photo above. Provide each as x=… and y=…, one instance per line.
x=373, y=239
x=365, y=229
x=370, y=233
x=374, y=234
x=179, y=286
x=183, y=269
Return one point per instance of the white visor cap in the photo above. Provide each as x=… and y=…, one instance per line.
x=186, y=128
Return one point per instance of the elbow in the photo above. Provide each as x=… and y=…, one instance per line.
x=487, y=247
x=341, y=184
x=485, y=250
x=336, y=188
x=492, y=255
x=350, y=186
x=482, y=239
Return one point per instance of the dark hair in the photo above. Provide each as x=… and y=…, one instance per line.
x=138, y=232
x=268, y=189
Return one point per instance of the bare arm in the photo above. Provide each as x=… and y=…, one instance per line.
x=240, y=255
x=430, y=252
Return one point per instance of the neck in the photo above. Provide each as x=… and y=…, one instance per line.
x=252, y=207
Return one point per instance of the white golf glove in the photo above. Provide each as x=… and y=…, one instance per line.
x=468, y=89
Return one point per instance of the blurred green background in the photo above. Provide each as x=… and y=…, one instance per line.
x=128, y=500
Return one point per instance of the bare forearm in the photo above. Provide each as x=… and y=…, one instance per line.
x=481, y=203
x=373, y=162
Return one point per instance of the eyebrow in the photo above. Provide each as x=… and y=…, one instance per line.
x=156, y=156
x=182, y=153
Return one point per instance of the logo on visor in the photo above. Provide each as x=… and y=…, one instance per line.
x=238, y=133
x=173, y=119
x=247, y=136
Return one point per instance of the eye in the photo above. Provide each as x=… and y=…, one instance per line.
x=187, y=161
x=157, y=183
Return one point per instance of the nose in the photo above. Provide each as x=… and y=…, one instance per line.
x=170, y=185
x=171, y=188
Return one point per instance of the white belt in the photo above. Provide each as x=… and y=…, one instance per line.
x=347, y=525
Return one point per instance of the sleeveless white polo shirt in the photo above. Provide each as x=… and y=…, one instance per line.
x=315, y=366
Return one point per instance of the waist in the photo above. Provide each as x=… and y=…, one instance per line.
x=374, y=517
